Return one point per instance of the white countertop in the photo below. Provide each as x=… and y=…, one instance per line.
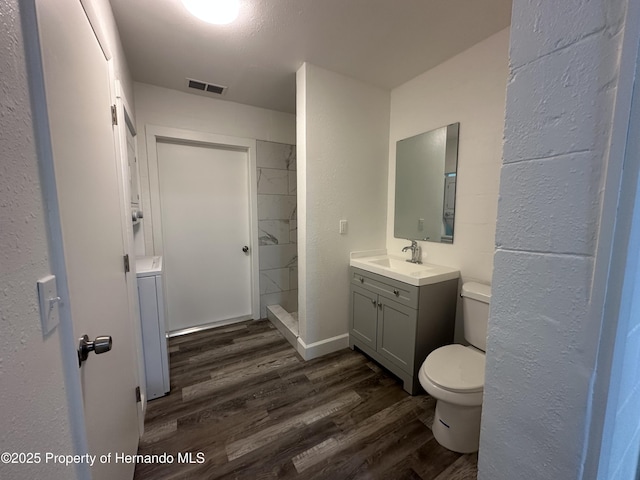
x=397, y=268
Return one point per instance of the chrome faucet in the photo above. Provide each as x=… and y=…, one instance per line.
x=415, y=252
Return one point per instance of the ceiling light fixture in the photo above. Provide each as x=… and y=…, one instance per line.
x=219, y=12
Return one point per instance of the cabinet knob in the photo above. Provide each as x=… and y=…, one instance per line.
x=374, y=302
x=379, y=305
x=396, y=293
x=361, y=279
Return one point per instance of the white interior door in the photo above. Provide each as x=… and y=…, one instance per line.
x=77, y=85
x=128, y=168
x=204, y=202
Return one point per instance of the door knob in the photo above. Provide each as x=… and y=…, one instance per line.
x=99, y=345
x=245, y=249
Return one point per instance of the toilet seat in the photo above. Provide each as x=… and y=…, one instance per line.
x=456, y=369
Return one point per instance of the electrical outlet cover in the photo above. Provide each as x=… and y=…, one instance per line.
x=48, y=296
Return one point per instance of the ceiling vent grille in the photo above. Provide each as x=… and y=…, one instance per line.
x=206, y=87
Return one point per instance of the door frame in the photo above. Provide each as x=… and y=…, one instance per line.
x=155, y=133
x=126, y=121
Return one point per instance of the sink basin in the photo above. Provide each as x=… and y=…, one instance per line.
x=389, y=262
x=399, y=269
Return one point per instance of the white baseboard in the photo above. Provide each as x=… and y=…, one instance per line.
x=323, y=347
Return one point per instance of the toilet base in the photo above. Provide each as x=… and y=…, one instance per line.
x=457, y=427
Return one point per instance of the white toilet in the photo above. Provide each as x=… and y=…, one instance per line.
x=454, y=376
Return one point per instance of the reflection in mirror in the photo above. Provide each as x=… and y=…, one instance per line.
x=426, y=167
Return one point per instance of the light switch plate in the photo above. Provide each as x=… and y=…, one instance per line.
x=343, y=227
x=49, y=300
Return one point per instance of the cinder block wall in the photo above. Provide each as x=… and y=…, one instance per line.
x=543, y=332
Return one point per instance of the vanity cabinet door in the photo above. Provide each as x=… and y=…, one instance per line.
x=364, y=315
x=397, y=333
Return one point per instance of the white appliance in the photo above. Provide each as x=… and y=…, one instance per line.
x=154, y=332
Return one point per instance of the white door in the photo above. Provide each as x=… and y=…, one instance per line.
x=204, y=201
x=127, y=170
x=77, y=87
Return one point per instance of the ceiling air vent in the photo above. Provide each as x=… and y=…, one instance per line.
x=206, y=87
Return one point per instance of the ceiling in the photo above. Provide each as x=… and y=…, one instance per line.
x=382, y=42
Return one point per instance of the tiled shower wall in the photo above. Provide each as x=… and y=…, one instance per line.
x=277, y=226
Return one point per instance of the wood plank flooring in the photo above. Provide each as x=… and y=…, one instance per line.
x=246, y=406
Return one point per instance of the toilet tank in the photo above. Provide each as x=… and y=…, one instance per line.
x=475, y=308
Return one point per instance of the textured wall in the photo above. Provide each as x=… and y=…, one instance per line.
x=545, y=318
x=32, y=396
x=343, y=127
x=470, y=89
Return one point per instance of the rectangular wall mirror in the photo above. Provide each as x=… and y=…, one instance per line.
x=426, y=168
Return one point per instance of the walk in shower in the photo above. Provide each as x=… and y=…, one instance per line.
x=278, y=231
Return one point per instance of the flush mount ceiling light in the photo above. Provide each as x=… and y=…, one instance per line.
x=219, y=12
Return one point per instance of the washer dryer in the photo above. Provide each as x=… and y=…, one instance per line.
x=154, y=331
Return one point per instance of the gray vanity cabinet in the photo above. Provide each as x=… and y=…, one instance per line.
x=398, y=324
x=364, y=318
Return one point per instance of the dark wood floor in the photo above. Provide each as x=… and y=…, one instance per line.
x=245, y=400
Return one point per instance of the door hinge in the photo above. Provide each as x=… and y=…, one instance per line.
x=127, y=265
x=138, y=397
x=114, y=115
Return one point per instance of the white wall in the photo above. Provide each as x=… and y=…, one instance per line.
x=170, y=108
x=343, y=127
x=470, y=89
x=548, y=283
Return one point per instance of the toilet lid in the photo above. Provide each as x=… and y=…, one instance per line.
x=456, y=368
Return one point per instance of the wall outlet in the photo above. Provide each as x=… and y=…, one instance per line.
x=420, y=224
x=343, y=227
